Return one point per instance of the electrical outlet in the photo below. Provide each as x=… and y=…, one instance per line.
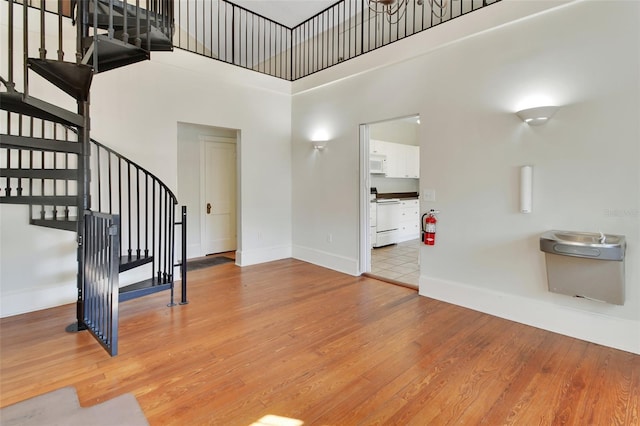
x=329, y=238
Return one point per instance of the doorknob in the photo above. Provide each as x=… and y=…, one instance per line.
x=208, y=208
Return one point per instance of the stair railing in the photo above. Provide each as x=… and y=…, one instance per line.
x=146, y=207
x=58, y=168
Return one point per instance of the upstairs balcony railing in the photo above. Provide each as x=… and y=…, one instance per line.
x=222, y=30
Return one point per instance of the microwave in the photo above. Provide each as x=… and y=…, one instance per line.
x=377, y=164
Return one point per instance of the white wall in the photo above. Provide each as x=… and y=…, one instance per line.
x=153, y=96
x=136, y=110
x=398, y=131
x=586, y=161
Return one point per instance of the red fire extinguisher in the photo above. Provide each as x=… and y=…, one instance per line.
x=429, y=221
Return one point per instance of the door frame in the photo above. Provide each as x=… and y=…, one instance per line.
x=202, y=140
x=364, y=263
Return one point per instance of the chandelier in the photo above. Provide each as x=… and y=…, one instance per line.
x=394, y=10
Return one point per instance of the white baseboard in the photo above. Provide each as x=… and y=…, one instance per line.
x=35, y=299
x=593, y=327
x=262, y=255
x=342, y=264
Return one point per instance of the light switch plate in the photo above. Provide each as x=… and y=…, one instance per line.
x=429, y=195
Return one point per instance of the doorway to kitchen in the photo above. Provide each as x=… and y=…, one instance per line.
x=207, y=185
x=391, y=160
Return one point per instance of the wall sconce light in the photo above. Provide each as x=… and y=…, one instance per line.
x=319, y=139
x=537, y=116
x=319, y=145
x=526, y=189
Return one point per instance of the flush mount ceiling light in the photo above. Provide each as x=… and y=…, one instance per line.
x=537, y=116
x=394, y=10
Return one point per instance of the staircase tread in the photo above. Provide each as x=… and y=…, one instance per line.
x=113, y=53
x=143, y=288
x=159, y=40
x=150, y=282
x=57, y=200
x=65, y=174
x=127, y=263
x=41, y=144
x=66, y=224
x=73, y=219
x=74, y=79
x=34, y=107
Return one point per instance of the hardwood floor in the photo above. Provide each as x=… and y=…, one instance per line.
x=295, y=340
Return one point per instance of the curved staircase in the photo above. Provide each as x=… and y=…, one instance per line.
x=50, y=163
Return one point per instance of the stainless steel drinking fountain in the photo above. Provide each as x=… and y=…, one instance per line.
x=585, y=264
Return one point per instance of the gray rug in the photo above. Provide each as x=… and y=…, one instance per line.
x=193, y=265
x=61, y=408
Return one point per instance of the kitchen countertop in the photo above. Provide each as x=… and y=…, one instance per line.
x=401, y=195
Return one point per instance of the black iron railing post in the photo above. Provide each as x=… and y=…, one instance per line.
x=183, y=263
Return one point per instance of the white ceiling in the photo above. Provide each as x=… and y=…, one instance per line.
x=286, y=12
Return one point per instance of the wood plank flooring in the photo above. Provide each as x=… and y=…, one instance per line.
x=302, y=342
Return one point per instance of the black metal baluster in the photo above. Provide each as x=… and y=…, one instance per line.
x=60, y=30
x=246, y=39
x=171, y=260
x=31, y=158
x=25, y=43
x=19, y=189
x=137, y=41
x=156, y=211
x=138, y=212
x=42, y=184
x=55, y=182
x=129, y=231
x=203, y=28
x=98, y=167
x=183, y=263
x=166, y=237
x=290, y=59
x=321, y=33
x=66, y=181
x=10, y=83
x=233, y=34
x=146, y=215
x=226, y=34
x=120, y=191
x=42, y=50
x=110, y=192
x=125, y=19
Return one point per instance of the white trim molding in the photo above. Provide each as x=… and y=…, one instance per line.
x=605, y=330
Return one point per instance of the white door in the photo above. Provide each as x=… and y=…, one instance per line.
x=218, y=196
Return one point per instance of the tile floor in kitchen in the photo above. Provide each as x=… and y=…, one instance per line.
x=398, y=262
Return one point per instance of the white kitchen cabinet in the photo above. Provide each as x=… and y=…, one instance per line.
x=409, y=228
x=395, y=159
x=412, y=161
x=403, y=161
x=373, y=209
x=376, y=146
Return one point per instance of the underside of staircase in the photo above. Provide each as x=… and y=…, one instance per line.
x=51, y=164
